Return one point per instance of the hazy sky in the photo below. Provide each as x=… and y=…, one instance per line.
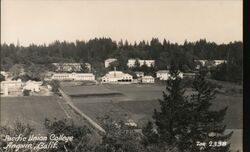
x=44, y=21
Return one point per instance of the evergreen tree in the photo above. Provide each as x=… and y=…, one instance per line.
x=137, y=65
x=182, y=122
x=171, y=119
x=84, y=68
x=2, y=78
x=205, y=124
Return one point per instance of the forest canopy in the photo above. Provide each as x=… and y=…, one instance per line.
x=96, y=50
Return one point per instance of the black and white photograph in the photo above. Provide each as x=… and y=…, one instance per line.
x=121, y=76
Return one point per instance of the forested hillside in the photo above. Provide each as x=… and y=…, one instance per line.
x=95, y=51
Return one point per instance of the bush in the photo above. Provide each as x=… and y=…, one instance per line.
x=26, y=92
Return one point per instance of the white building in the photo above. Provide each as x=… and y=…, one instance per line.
x=139, y=74
x=67, y=67
x=33, y=86
x=117, y=77
x=73, y=76
x=13, y=86
x=209, y=63
x=165, y=75
x=148, y=79
x=109, y=61
x=149, y=63
x=218, y=62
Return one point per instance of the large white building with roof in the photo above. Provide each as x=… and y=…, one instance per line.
x=109, y=61
x=116, y=77
x=33, y=86
x=73, y=76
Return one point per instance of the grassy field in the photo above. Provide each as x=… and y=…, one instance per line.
x=32, y=110
x=139, y=101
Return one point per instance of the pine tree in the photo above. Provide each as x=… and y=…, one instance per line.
x=171, y=119
x=84, y=68
x=205, y=125
x=182, y=122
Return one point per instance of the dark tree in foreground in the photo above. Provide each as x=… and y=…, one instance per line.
x=171, y=120
x=182, y=122
x=205, y=124
x=81, y=136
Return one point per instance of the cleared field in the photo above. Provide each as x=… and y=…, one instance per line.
x=90, y=90
x=139, y=101
x=32, y=110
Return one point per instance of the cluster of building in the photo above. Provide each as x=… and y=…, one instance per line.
x=119, y=77
x=209, y=63
x=16, y=87
x=63, y=72
x=131, y=62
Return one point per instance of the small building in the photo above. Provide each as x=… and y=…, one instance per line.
x=131, y=62
x=33, y=86
x=69, y=67
x=218, y=62
x=163, y=74
x=148, y=79
x=73, y=76
x=109, y=61
x=139, y=74
x=116, y=77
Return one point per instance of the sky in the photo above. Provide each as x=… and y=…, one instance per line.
x=44, y=21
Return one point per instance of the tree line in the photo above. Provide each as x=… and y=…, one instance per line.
x=96, y=50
